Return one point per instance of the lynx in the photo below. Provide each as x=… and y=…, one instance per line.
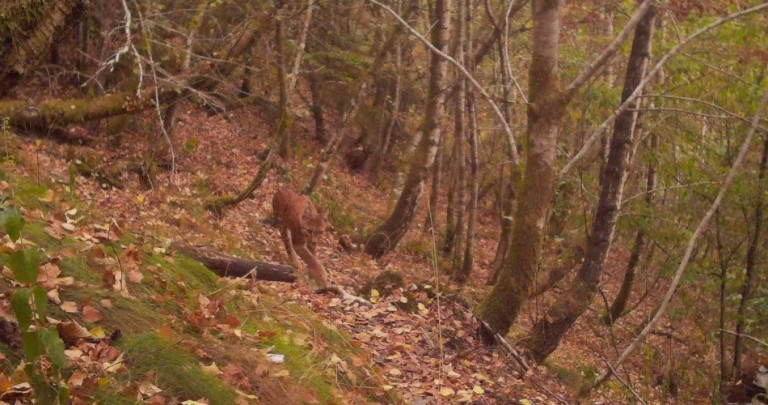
x=299, y=223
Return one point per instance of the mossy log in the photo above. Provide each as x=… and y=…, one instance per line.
x=230, y=266
x=61, y=112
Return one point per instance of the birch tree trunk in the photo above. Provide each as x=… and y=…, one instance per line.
x=551, y=328
x=387, y=236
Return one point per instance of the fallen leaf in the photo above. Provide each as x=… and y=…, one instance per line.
x=447, y=392
x=69, y=307
x=91, y=314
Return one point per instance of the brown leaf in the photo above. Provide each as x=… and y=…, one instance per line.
x=71, y=332
x=69, y=307
x=91, y=314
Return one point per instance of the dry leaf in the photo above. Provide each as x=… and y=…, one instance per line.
x=69, y=307
x=91, y=314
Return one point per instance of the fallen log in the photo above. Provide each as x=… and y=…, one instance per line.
x=230, y=266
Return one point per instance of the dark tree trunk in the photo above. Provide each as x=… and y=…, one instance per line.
x=463, y=273
x=38, y=41
x=551, y=328
x=616, y=309
x=361, y=90
x=752, y=254
x=387, y=236
x=317, y=101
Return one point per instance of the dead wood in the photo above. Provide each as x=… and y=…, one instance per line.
x=230, y=266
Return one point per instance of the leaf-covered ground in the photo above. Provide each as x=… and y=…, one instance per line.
x=185, y=335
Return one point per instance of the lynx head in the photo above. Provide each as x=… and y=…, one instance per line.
x=316, y=222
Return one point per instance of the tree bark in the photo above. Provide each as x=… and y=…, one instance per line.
x=387, y=236
x=230, y=266
x=361, y=90
x=501, y=306
x=616, y=309
x=752, y=254
x=38, y=42
x=464, y=272
x=459, y=139
x=283, y=135
x=550, y=329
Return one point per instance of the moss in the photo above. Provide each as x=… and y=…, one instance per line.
x=178, y=372
x=569, y=377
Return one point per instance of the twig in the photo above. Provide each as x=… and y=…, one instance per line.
x=621, y=380
x=754, y=339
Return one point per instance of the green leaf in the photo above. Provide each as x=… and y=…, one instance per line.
x=54, y=346
x=33, y=347
x=13, y=223
x=25, y=265
x=41, y=301
x=21, y=308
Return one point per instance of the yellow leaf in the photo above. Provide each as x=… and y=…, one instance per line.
x=98, y=332
x=447, y=392
x=47, y=197
x=478, y=390
x=139, y=199
x=526, y=401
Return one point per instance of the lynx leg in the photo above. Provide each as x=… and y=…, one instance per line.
x=285, y=234
x=314, y=267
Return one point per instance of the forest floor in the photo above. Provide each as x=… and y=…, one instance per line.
x=414, y=346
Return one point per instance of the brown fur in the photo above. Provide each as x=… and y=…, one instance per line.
x=299, y=223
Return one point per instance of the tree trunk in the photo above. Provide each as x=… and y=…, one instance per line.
x=317, y=102
x=507, y=195
x=437, y=174
x=616, y=309
x=283, y=136
x=459, y=139
x=37, y=42
x=463, y=273
x=501, y=306
x=724, y=262
x=550, y=329
x=387, y=236
x=752, y=254
x=361, y=90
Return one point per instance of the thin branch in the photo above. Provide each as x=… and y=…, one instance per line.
x=607, y=53
x=458, y=66
x=644, y=193
x=651, y=74
x=691, y=245
x=752, y=338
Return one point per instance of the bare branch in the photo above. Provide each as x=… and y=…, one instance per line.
x=651, y=74
x=691, y=245
x=607, y=53
x=458, y=66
